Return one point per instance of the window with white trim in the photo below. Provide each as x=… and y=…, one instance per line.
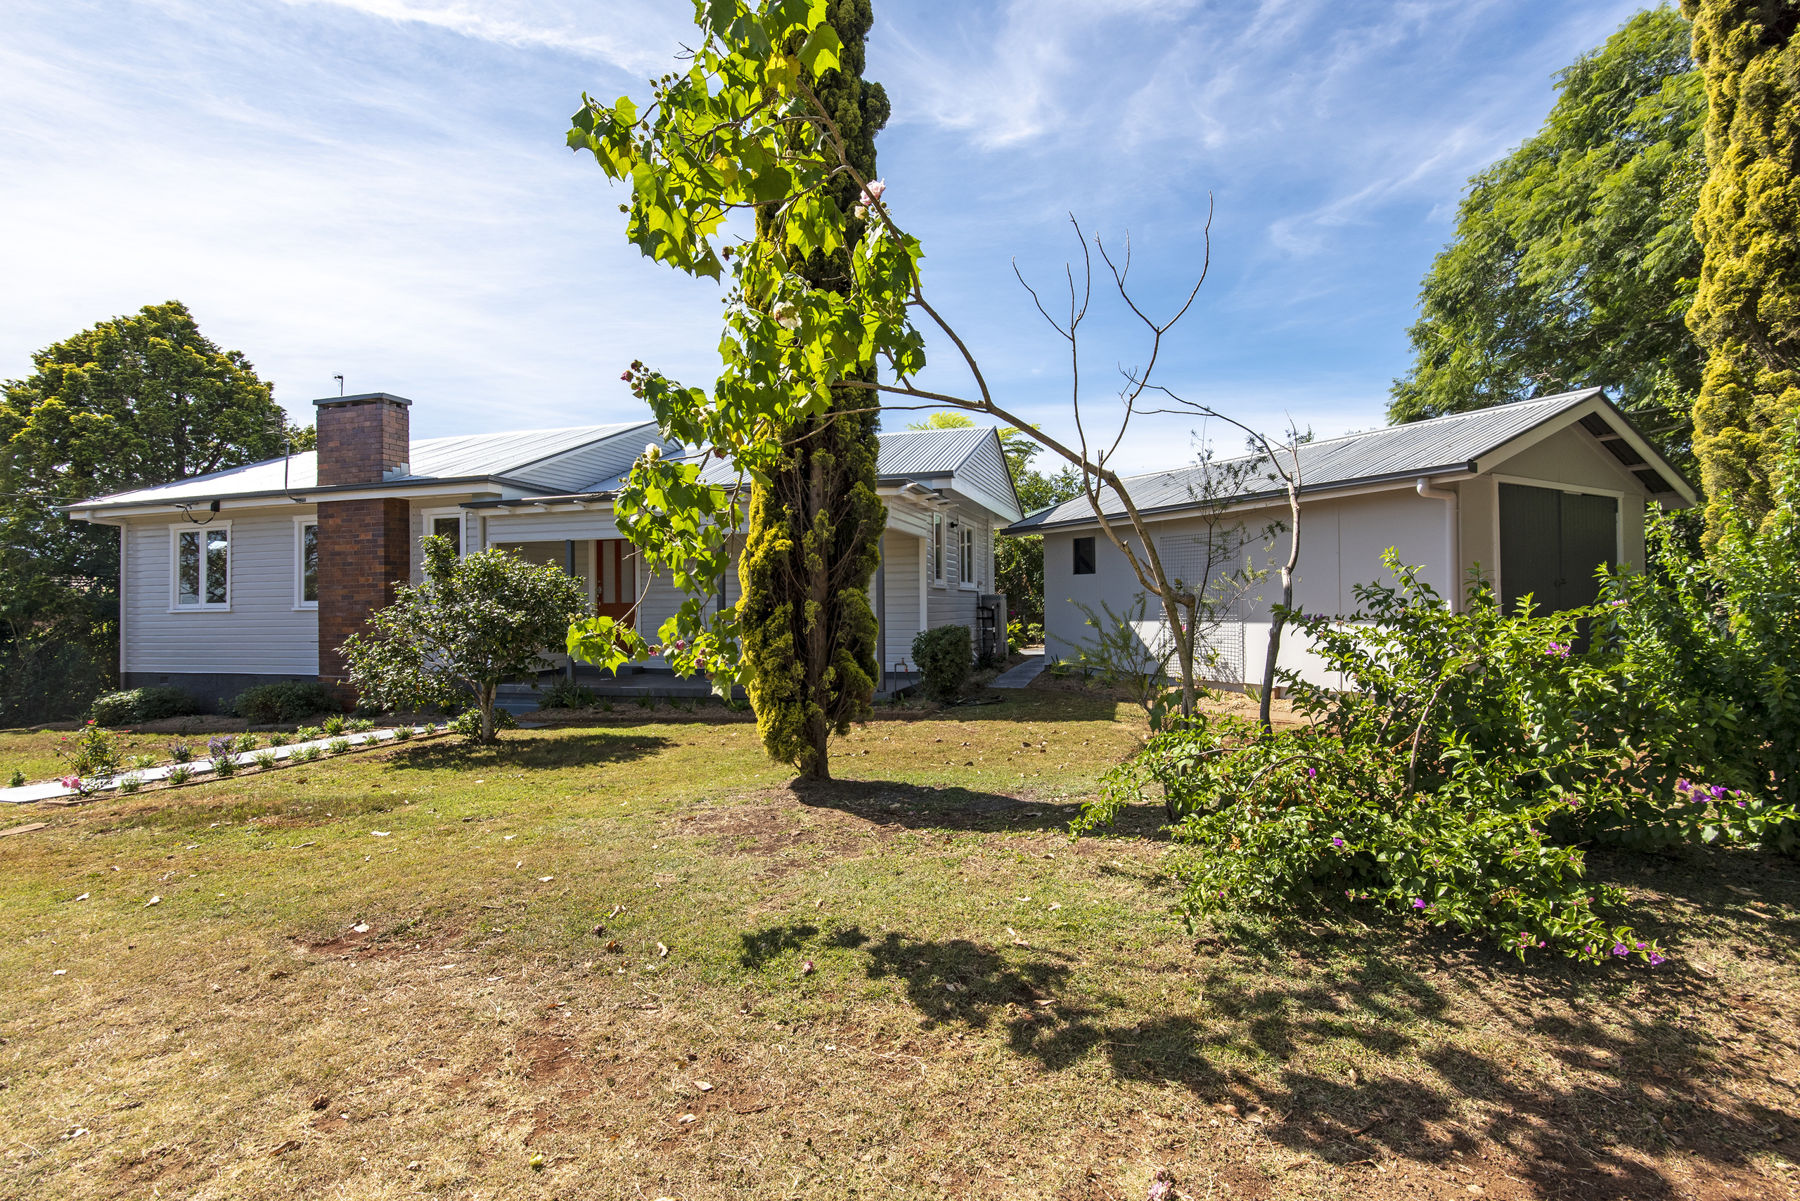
x=449, y=527
x=937, y=548
x=202, y=562
x=966, y=570
x=306, y=564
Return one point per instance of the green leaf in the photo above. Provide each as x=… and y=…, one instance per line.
x=822, y=52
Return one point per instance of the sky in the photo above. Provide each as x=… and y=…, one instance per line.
x=381, y=189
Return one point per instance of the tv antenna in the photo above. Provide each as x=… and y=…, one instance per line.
x=340, y=380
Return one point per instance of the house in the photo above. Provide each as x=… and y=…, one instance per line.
x=258, y=573
x=1537, y=494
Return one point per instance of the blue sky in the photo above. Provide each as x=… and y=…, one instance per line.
x=380, y=188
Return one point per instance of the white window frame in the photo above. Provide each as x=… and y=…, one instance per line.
x=188, y=527
x=300, y=524
x=937, y=549
x=968, y=570
x=431, y=517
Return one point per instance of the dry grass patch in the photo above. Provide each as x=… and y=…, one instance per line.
x=628, y=961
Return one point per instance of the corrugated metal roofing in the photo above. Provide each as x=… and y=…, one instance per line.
x=929, y=452
x=1420, y=447
x=523, y=456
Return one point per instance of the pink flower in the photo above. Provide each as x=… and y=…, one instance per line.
x=71, y=782
x=1418, y=903
x=872, y=193
x=626, y=376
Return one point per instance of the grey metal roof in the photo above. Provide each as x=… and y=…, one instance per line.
x=929, y=452
x=1441, y=444
x=522, y=456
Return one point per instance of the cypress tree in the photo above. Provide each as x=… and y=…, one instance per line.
x=814, y=530
x=1747, y=309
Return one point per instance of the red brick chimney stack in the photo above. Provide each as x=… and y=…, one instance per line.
x=364, y=544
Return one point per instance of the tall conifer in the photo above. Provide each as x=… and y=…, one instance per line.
x=814, y=532
x=1747, y=309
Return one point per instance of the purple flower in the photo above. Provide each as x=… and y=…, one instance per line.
x=626, y=376
x=1621, y=950
x=1337, y=842
x=1719, y=792
x=1418, y=904
x=1656, y=959
x=1312, y=773
x=1559, y=649
x=1681, y=785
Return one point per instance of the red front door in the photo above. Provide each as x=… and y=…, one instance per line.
x=615, y=580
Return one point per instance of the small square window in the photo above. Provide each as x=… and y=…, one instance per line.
x=451, y=528
x=1084, y=556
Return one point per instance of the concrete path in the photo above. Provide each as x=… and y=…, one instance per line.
x=1023, y=674
x=52, y=790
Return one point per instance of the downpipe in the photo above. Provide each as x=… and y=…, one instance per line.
x=1452, y=520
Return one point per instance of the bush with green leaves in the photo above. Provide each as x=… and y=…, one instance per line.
x=567, y=694
x=402, y=733
x=180, y=751
x=1118, y=655
x=1710, y=649
x=140, y=705
x=280, y=739
x=945, y=657
x=180, y=774
x=92, y=751
x=475, y=622
x=1452, y=778
x=360, y=725
x=245, y=742
x=334, y=725
x=468, y=724
x=308, y=734
x=17, y=779
x=129, y=783
x=305, y=754
x=337, y=746
x=285, y=701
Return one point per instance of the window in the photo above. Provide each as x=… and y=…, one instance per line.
x=202, y=567
x=306, y=564
x=1084, y=556
x=965, y=558
x=451, y=528
x=937, y=547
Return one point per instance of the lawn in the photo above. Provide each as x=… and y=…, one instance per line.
x=628, y=960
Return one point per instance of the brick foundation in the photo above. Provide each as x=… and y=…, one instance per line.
x=363, y=552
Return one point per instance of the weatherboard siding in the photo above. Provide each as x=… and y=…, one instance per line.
x=261, y=634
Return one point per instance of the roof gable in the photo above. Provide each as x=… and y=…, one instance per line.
x=1459, y=442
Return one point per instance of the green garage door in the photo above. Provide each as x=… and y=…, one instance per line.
x=1552, y=543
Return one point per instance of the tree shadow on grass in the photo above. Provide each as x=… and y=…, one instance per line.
x=588, y=749
x=1609, y=1083
x=919, y=807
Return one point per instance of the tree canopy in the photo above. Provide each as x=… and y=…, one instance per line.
x=1747, y=309
x=136, y=400
x=1575, y=260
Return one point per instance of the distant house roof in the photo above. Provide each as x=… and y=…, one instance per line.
x=588, y=460
x=1439, y=446
x=528, y=458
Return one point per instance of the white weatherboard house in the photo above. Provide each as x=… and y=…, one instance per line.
x=257, y=573
x=1537, y=493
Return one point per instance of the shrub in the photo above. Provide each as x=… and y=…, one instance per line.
x=1020, y=634
x=402, y=733
x=308, y=734
x=244, y=742
x=1448, y=780
x=337, y=746
x=944, y=657
x=305, y=754
x=224, y=765
x=468, y=723
x=140, y=705
x=266, y=759
x=360, y=725
x=181, y=773
x=92, y=751
x=567, y=694
x=130, y=783
x=280, y=739
x=1119, y=657
x=286, y=701
x=1710, y=651
x=476, y=621
x=18, y=779
x=180, y=752
x=334, y=725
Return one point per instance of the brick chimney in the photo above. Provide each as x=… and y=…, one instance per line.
x=365, y=545
x=363, y=439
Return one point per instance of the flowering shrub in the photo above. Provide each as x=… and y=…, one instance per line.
x=1448, y=781
x=180, y=752
x=180, y=774
x=91, y=751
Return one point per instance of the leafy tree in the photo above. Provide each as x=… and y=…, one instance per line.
x=815, y=520
x=1747, y=309
x=132, y=401
x=743, y=128
x=474, y=623
x=1574, y=258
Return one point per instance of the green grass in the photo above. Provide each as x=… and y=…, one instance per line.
x=380, y=976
